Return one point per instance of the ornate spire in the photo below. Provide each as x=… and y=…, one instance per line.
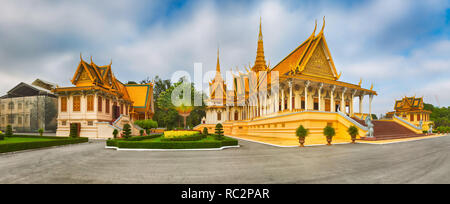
x=218, y=64
x=260, y=62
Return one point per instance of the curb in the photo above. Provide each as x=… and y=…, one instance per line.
x=171, y=150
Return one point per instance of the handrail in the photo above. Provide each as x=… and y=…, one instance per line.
x=408, y=123
x=353, y=121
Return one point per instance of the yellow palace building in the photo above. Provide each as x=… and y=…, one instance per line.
x=308, y=92
x=411, y=109
x=99, y=103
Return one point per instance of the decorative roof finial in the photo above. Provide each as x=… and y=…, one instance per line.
x=110, y=62
x=323, y=26
x=81, y=57
x=91, y=60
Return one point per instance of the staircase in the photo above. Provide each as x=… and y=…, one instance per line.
x=388, y=130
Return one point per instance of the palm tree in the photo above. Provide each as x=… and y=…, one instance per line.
x=329, y=132
x=353, y=132
x=302, y=133
x=184, y=111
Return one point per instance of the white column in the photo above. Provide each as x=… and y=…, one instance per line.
x=306, y=94
x=343, y=100
x=320, y=96
x=282, y=100
x=370, y=105
x=332, y=104
x=290, y=95
x=361, y=98
x=352, y=111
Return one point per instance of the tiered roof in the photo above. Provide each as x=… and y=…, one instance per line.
x=90, y=76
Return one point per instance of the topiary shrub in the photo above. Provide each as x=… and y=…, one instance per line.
x=301, y=133
x=141, y=132
x=126, y=131
x=41, y=132
x=353, y=132
x=219, y=132
x=205, y=131
x=2, y=136
x=329, y=132
x=9, y=132
x=73, y=130
x=115, y=133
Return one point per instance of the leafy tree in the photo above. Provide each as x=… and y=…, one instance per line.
x=131, y=82
x=329, y=132
x=219, y=131
x=301, y=133
x=115, y=133
x=127, y=131
x=439, y=116
x=9, y=132
x=353, y=132
x=169, y=116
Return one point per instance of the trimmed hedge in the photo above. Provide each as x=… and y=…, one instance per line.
x=186, y=138
x=12, y=147
x=113, y=142
x=172, y=144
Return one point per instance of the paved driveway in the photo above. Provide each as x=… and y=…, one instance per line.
x=425, y=161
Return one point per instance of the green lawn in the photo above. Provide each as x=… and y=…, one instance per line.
x=10, y=140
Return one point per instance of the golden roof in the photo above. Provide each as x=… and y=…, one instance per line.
x=90, y=76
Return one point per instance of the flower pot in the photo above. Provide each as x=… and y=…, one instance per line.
x=329, y=141
x=353, y=140
x=301, y=141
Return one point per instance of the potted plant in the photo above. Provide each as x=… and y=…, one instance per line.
x=353, y=132
x=41, y=132
x=301, y=133
x=329, y=132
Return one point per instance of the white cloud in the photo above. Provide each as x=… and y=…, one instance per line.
x=374, y=40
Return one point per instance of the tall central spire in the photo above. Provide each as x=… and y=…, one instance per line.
x=218, y=64
x=260, y=62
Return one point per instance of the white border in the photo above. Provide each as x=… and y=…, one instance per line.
x=412, y=140
x=315, y=145
x=171, y=150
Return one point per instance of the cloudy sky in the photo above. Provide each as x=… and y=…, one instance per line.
x=402, y=47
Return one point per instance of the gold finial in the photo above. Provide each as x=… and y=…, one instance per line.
x=339, y=76
x=81, y=57
x=360, y=82
x=323, y=26
x=315, y=28
x=371, y=87
x=110, y=62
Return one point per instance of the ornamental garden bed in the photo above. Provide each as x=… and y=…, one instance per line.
x=196, y=141
x=25, y=142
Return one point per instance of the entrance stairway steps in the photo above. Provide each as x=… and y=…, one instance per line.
x=388, y=130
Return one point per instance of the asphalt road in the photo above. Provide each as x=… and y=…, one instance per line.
x=425, y=161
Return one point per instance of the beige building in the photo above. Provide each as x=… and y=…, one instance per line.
x=28, y=108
